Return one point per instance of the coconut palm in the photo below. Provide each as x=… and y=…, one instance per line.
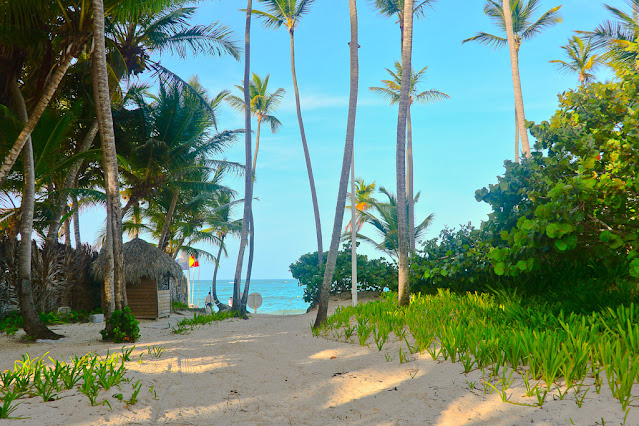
x=263, y=105
x=581, y=60
x=614, y=38
x=395, y=8
x=400, y=157
x=288, y=13
x=363, y=201
x=391, y=91
x=383, y=219
x=521, y=26
x=331, y=260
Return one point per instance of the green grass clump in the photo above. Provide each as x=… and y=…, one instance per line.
x=13, y=322
x=91, y=374
x=199, y=320
x=504, y=332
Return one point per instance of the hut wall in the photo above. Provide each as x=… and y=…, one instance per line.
x=164, y=303
x=143, y=299
x=179, y=292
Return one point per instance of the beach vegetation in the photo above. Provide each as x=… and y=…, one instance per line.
x=186, y=324
x=122, y=327
x=372, y=274
x=552, y=348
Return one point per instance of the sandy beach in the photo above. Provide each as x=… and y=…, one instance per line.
x=270, y=370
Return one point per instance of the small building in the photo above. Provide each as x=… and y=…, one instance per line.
x=150, y=275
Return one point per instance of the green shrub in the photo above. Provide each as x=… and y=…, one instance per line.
x=178, y=306
x=374, y=274
x=121, y=327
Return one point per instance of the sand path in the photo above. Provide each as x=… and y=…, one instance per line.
x=270, y=370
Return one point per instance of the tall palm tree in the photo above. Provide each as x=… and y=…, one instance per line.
x=519, y=26
x=400, y=158
x=395, y=8
x=288, y=13
x=331, y=260
x=263, y=105
x=114, y=257
x=581, y=60
x=248, y=179
x=391, y=91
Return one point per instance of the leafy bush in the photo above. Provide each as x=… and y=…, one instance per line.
x=178, y=306
x=374, y=274
x=121, y=327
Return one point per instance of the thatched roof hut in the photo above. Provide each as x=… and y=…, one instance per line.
x=148, y=271
x=141, y=259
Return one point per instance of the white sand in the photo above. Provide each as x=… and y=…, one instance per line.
x=271, y=370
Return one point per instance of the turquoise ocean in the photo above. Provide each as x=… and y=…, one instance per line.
x=279, y=296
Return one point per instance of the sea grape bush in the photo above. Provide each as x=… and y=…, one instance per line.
x=373, y=274
x=121, y=327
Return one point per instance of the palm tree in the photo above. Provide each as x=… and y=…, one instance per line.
x=614, y=39
x=518, y=26
x=400, y=159
x=263, y=104
x=391, y=92
x=395, y=8
x=383, y=218
x=114, y=257
x=331, y=260
x=363, y=201
x=248, y=179
x=581, y=60
x=288, y=13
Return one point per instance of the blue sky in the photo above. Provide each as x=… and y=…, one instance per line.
x=459, y=144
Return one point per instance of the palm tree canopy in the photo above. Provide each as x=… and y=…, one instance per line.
x=392, y=87
x=524, y=25
x=364, y=201
x=383, y=218
x=396, y=7
x=283, y=12
x=263, y=104
x=581, y=60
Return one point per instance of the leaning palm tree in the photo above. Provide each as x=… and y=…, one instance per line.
x=263, y=105
x=614, y=39
x=363, y=202
x=288, y=13
x=331, y=260
x=521, y=26
x=581, y=60
x=391, y=92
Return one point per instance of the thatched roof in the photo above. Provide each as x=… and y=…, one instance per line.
x=141, y=259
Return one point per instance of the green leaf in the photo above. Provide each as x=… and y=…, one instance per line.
x=522, y=265
x=561, y=245
x=500, y=268
x=634, y=268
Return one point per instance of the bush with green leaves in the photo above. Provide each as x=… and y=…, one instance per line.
x=576, y=198
x=373, y=274
x=121, y=327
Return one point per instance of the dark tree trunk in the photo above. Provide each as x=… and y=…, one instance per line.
x=32, y=324
x=221, y=306
x=76, y=221
x=164, y=237
x=322, y=309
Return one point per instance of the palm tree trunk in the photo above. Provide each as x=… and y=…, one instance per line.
x=248, y=178
x=249, y=265
x=409, y=181
x=220, y=306
x=514, y=67
x=32, y=324
x=516, y=137
x=72, y=174
x=309, y=168
x=353, y=233
x=322, y=308
x=257, y=148
x=400, y=160
x=67, y=231
x=76, y=221
x=164, y=236
x=105, y=123
x=45, y=98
